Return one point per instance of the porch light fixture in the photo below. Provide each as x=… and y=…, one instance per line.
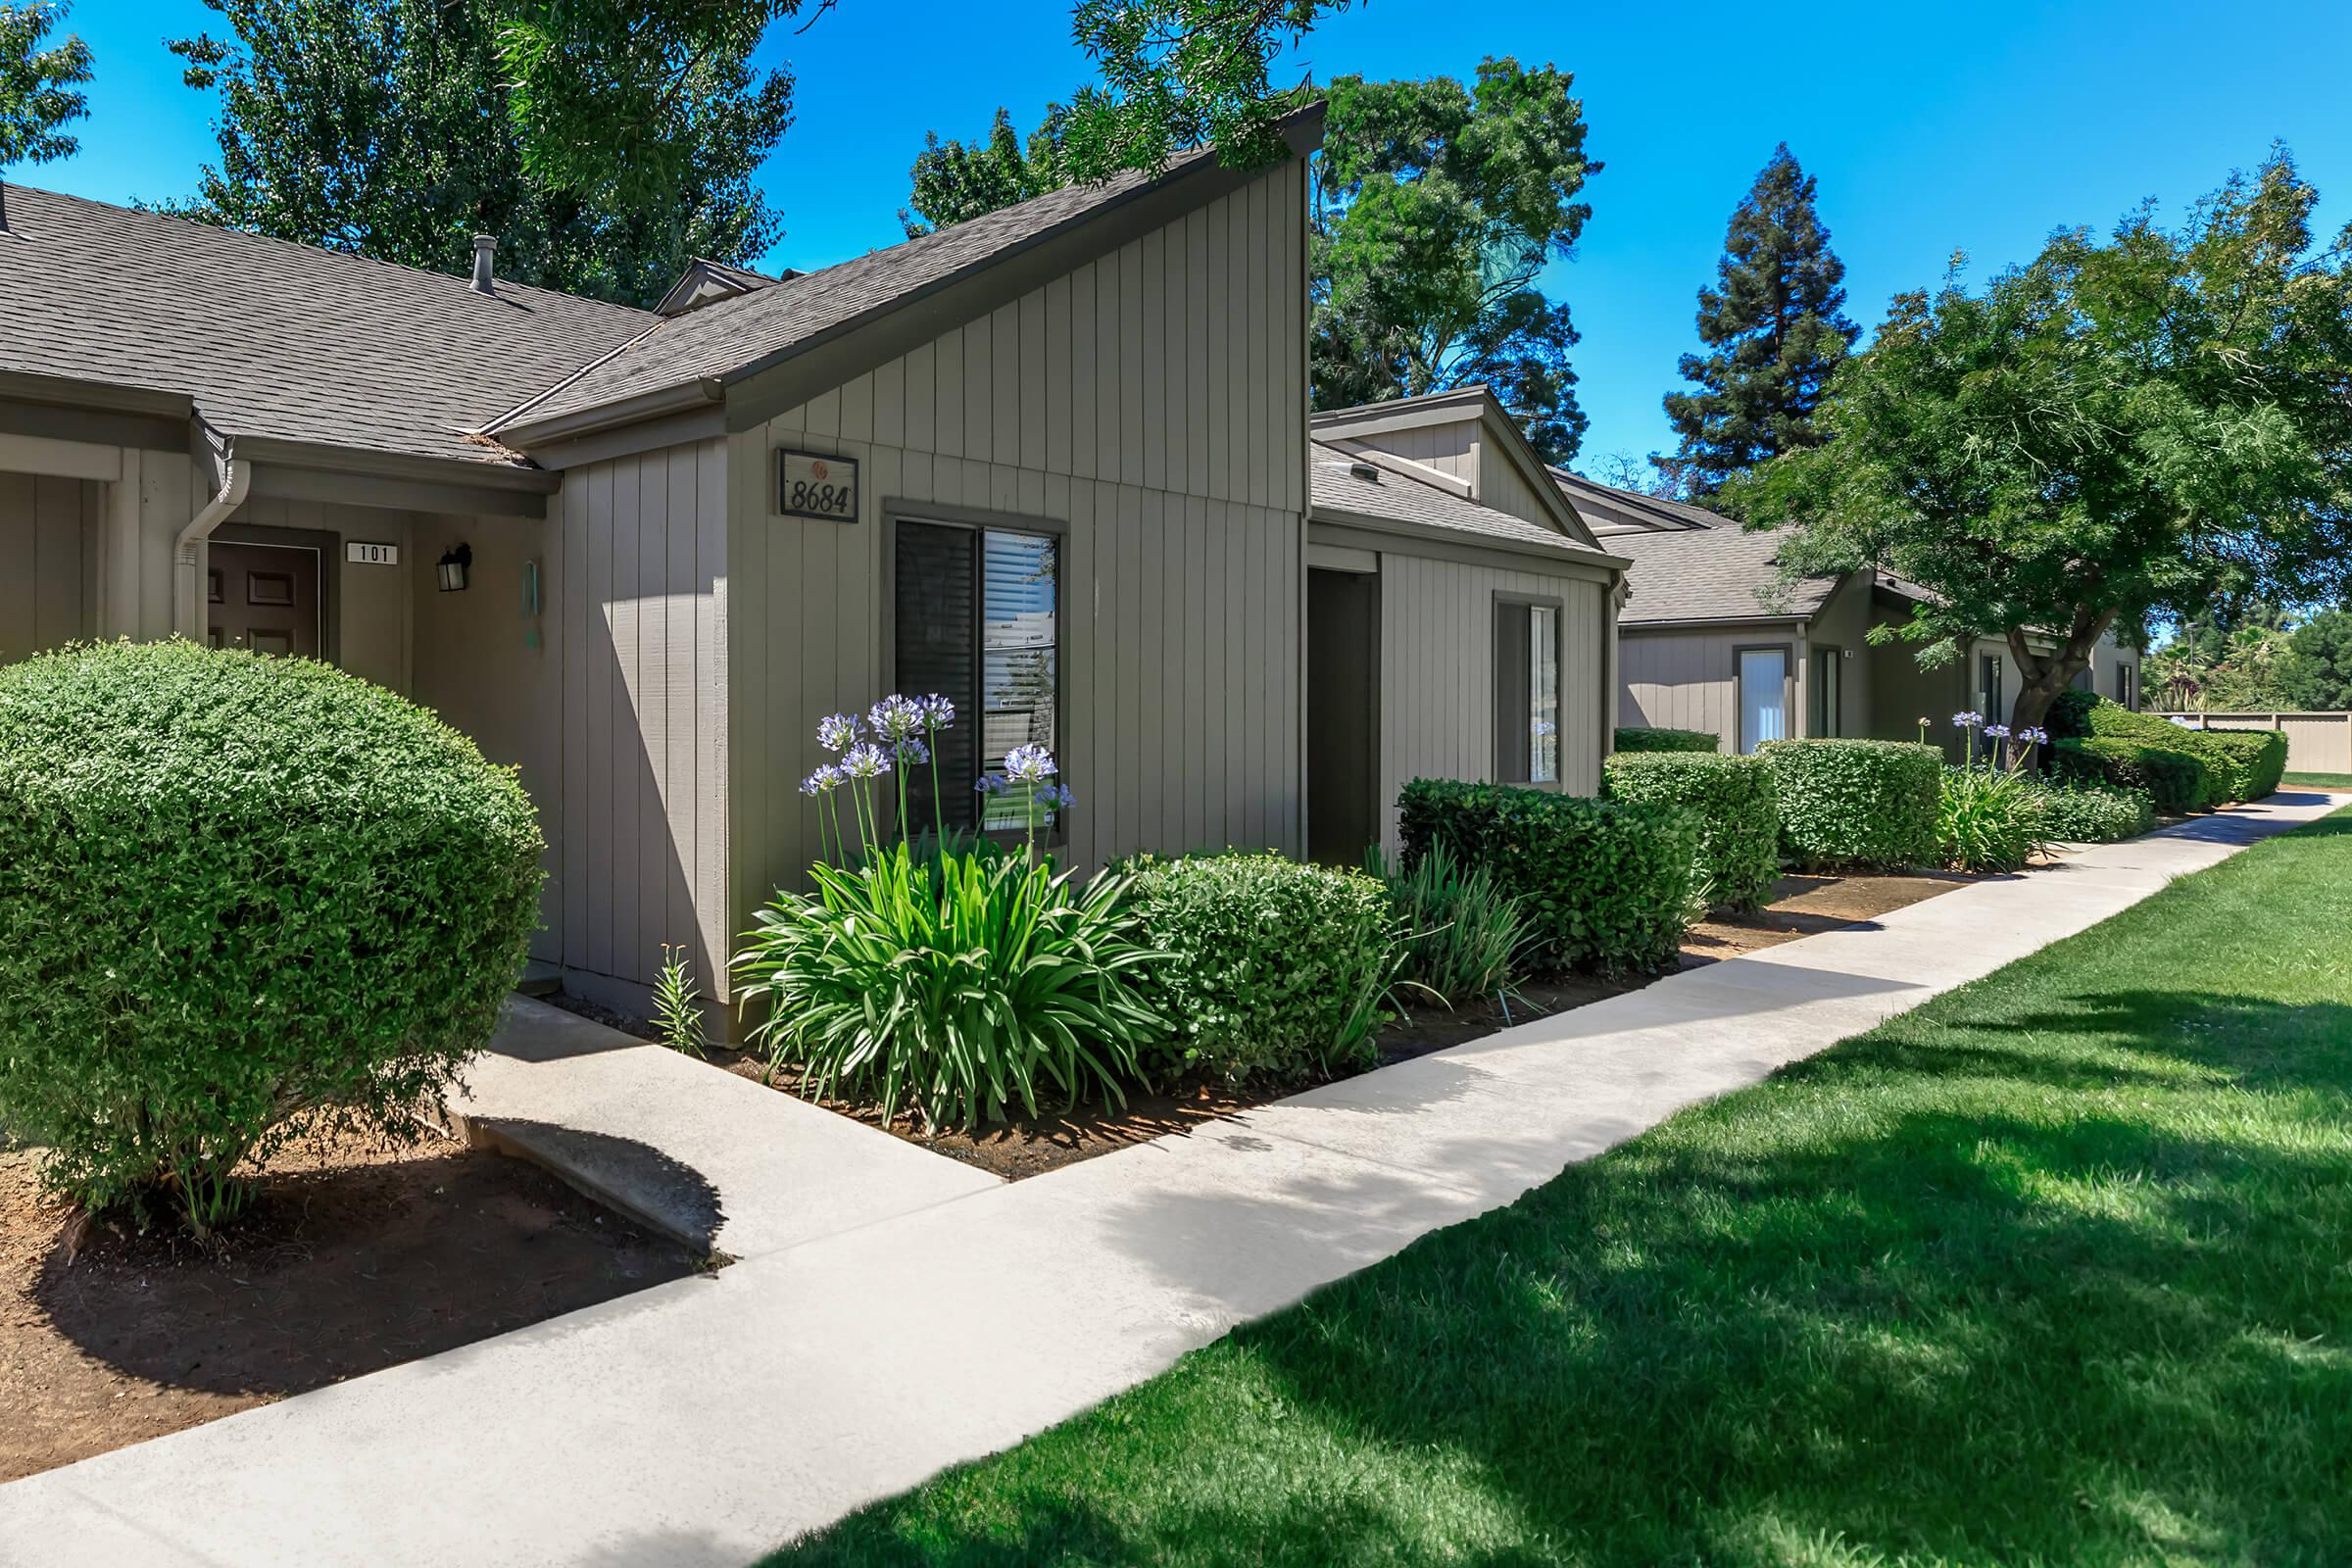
x=453, y=568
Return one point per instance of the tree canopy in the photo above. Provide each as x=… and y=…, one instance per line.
x=37, y=100
x=2117, y=431
x=1438, y=207
x=2315, y=673
x=399, y=128
x=956, y=180
x=1774, y=328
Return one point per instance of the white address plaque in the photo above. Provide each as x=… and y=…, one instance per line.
x=810, y=484
x=360, y=553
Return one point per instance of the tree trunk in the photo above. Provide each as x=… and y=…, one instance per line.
x=2041, y=679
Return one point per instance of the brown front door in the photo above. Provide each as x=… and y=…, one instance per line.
x=265, y=597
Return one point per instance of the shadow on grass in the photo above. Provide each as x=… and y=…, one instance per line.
x=1937, y=1297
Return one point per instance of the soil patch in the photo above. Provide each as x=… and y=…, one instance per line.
x=352, y=1258
x=1800, y=907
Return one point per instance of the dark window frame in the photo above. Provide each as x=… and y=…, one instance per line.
x=1505, y=598
x=979, y=520
x=1827, y=707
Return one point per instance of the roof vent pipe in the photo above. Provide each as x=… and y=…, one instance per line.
x=3, y=205
x=1365, y=470
x=485, y=249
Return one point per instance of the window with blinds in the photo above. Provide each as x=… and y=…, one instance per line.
x=976, y=621
x=1527, y=693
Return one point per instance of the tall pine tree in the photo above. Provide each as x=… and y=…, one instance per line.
x=1775, y=327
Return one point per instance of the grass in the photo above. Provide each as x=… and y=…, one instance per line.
x=2321, y=781
x=2056, y=1270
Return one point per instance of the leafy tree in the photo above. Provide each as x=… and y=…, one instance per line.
x=396, y=130
x=1436, y=208
x=2113, y=432
x=956, y=180
x=2226, y=657
x=36, y=97
x=1182, y=73
x=1775, y=327
x=2315, y=673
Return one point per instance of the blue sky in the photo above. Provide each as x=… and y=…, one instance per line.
x=1931, y=128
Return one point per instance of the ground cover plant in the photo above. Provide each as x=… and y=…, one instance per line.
x=2321, y=781
x=239, y=897
x=961, y=980
x=2046, y=1271
x=1988, y=820
x=1739, y=811
x=1271, y=969
x=1607, y=885
x=1850, y=805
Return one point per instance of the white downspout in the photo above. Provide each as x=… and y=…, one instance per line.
x=187, y=618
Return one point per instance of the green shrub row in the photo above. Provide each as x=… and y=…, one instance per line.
x=239, y=897
x=2237, y=764
x=1271, y=969
x=1642, y=739
x=2172, y=780
x=1737, y=805
x=1605, y=884
x=2094, y=814
x=1852, y=804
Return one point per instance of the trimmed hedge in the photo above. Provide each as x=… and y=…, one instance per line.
x=1274, y=969
x=2174, y=781
x=2094, y=814
x=1848, y=804
x=1739, y=810
x=1605, y=884
x=2240, y=765
x=239, y=896
x=1667, y=739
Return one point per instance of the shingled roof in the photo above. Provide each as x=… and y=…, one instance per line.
x=284, y=340
x=1397, y=497
x=1719, y=573
x=1662, y=512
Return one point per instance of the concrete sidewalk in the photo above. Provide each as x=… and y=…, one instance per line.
x=705, y=1421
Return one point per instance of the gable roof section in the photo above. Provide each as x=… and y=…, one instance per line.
x=1340, y=494
x=1367, y=420
x=280, y=340
x=1725, y=573
x=693, y=357
x=1654, y=511
x=706, y=280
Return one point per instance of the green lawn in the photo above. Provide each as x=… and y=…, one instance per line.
x=2325, y=781
x=2056, y=1270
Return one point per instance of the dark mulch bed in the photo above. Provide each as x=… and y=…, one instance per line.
x=1800, y=907
x=352, y=1258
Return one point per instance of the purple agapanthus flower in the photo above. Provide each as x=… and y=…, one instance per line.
x=990, y=784
x=1996, y=732
x=914, y=750
x=1057, y=797
x=824, y=778
x=838, y=733
x=865, y=760
x=1030, y=764
x=894, y=718
x=1969, y=719
x=2034, y=734
x=939, y=713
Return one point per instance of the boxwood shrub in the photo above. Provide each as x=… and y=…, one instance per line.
x=238, y=896
x=1739, y=811
x=1849, y=804
x=2240, y=765
x=1633, y=739
x=1605, y=884
x=1273, y=969
x=2174, y=780
x=2094, y=814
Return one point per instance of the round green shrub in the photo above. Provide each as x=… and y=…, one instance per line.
x=238, y=897
x=2239, y=764
x=1988, y=820
x=1608, y=885
x=1857, y=804
x=1644, y=739
x=2093, y=813
x=1272, y=969
x=1739, y=811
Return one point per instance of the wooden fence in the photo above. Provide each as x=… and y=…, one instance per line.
x=2316, y=743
